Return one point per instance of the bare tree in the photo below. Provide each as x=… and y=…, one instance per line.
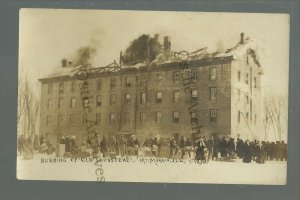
x=275, y=116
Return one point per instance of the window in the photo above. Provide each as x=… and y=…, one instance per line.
x=255, y=119
x=60, y=120
x=48, y=122
x=128, y=81
x=158, y=97
x=73, y=86
x=72, y=119
x=213, y=115
x=49, y=104
x=239, y=75
x=176, y=77
x=143, y=99
x=112, y=82
x=61, y=88
x=239, y=116
x=239, y=94
x=158, y=117
x=247, y=116
x=127, y=98
x=112, y=118
x=50, y=88
x=112, y=99
x=86, y=102
x=60, y=103
x=99, y=84
x=176, y=116
x=247, y=78
x=194, y=94
x=73, y=102
x=144, y=80
x=194, y=117
x=142, y=118
x=213, y=93
x=98, y=100
x=84, y=118
x=246, y=99
x=194, y=75
x=98, y=118
x=176, y=96
x=213, y=73
x=255, y=83
x=159, y=78
x=126, y=118
x=84, y=87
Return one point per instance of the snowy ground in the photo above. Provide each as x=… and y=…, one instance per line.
x=136, y=170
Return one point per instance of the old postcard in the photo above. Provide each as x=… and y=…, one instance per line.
x=153, y=96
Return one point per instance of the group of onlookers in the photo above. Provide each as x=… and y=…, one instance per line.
x=202, y=149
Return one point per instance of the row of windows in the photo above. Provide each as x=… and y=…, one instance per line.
x=129, y=80
x=247, y=79
x=245, y=116
x=127, y=119
x=143, y=98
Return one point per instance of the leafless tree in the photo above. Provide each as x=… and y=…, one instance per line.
x=275, y=116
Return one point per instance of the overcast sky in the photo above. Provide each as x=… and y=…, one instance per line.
x=48, y=35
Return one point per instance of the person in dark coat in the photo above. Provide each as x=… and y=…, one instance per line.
x=200, y=151
x=210, y=147
x=247, y=157
x=239, y=148
x=260, y=153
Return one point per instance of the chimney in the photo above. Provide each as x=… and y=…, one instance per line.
x=121, y=59
x=167, y=47
x=64, y=62
x=242, y=38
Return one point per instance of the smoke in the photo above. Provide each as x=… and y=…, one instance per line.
x=84, y=56
x=143, y=48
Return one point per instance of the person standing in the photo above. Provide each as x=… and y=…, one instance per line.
x=247, y=156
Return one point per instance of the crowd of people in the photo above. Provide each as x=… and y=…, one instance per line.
x=201, y=149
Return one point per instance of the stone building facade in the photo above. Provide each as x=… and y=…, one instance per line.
x=215, y=95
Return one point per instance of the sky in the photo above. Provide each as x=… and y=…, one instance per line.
x=49, y=35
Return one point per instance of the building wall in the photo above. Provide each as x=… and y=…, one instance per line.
x=244, y=128
x=132, y=122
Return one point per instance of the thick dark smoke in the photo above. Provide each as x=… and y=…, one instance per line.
x=144, y=48
x=84, y=56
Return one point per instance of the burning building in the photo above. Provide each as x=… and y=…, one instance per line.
x=202, y=94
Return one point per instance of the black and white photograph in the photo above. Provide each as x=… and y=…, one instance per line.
x=153, y=96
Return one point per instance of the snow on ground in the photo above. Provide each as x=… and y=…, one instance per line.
x=136, y=170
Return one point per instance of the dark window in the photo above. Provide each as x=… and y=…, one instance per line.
x=112, y=99
x=247, y=78
x=98, y=118
x=73, y=102
x=176, y=116
x=176, y=96
x=49, y=103
x=128, y=81
x=127, y=98
x=194, y=94
x=158, y=118
x=142, y=118
x=176, y=77
x=143, y=99
x=84, y=118
x=112, y=118
x=73, y=86
x=86, y=102
x=72, y=119
x=99, y=84
x=213, y=73
x=213, y=93
x=213, y=115
x=98, y=100
x=48, y=122
x=60, y=103
x=159, y=78
x=194, y=75
x=239, y=116
x=158, y=97
x=60, y=120
x=247, y=99
x=61, y=88
x=239, y=75
x=112, y=82
x=255, y=83
x=194, y=117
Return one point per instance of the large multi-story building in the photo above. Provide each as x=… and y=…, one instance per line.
x=198, y=94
